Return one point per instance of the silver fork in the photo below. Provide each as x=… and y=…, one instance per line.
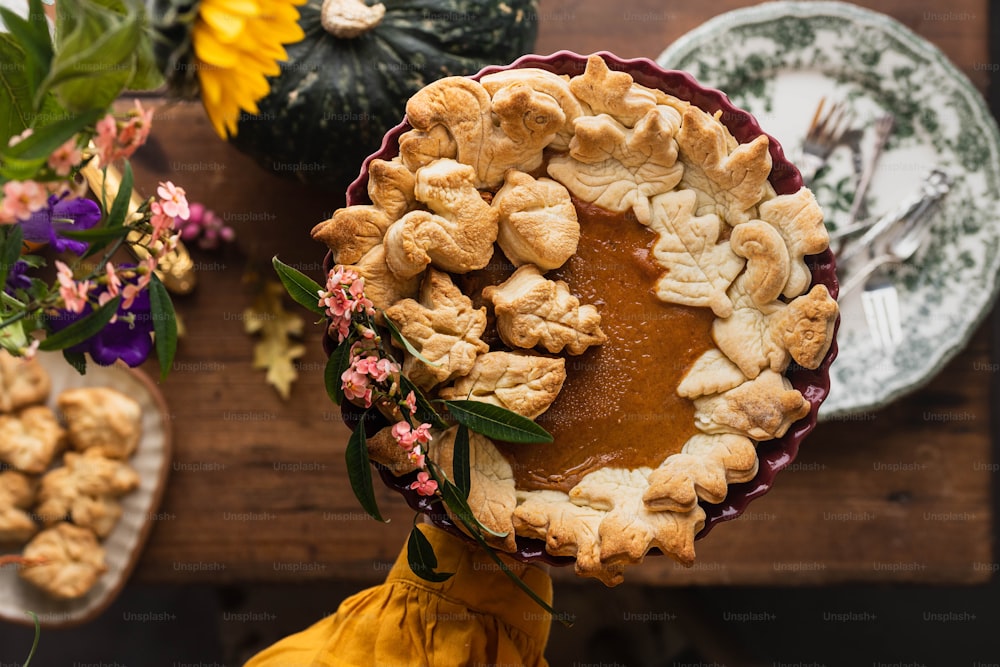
x=826, y=131
x=902, y=233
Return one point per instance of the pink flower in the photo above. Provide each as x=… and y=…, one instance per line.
x=135, y=131
x=63, y=159
x=21, y=199
x=403, y=435
x=73, y=293
x=355, y=386
x=411, y=402
x=107, y=134
x=422, y=433
x=424, y=485
x=417, y=457
x=114, y=282
x=173, y=200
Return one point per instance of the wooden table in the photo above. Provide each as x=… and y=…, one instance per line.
x=258, y=490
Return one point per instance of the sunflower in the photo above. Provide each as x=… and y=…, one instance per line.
x=222, y=51
x=237, y=44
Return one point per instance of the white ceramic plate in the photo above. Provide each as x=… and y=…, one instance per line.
x=777, y=60
x=124, y=545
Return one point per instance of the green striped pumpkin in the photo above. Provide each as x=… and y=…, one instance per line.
x=347, y=82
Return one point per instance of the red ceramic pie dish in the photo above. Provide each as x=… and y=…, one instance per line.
x=785, y=178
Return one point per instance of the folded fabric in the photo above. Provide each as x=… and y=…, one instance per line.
x=477, y=617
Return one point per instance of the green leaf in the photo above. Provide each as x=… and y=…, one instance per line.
x=359, y=471
x=32, y=34
x=100, y=236
x=457, y=503
x=95, y=56
x=82, y=329
x=425, y=411
x=164, y=325
x=303, y=289
x=16, y=97
x=398, y=336
x=338, y=362
x=11, y=239
x=496, y=422
x=38, y=634
x=421, y=557
x=77, y=360
x=119, y=209
x=460, y=461
x=23, y=160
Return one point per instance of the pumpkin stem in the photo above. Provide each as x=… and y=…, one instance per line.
x=347, y=19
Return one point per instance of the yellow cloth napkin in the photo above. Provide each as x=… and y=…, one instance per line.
x=477, y=617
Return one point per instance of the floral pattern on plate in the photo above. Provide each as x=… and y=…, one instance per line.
x=777, y=60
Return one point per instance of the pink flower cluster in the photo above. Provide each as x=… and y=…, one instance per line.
x=20, y=200
x=119, y=139
x=171, y=206
x=412, y=440
x=344, y=295
x=358, y=378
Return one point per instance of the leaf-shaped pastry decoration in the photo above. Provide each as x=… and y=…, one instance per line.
x=618, y=168
x=537, y=221
x=729, y=178
x=85, y=488
x=274, y=351
x=443, y=326
x=568, y=530
x=532, y=310
x=607, y=91
x=629, y=529
x=704, y=469
x=799, y=220
x=491, y=490
x=546, y=82
x=711, y=373
x=761, y=409
x=759, y=336
x=523, y=383
x=698, y=269
x=457, y=234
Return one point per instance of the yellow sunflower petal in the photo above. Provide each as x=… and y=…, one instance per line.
x=248, y=8
x=210, y=50
x=225, y=26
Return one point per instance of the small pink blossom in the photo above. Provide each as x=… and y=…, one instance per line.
x=173, y=200
x=21, y=199
x=355, y=386
x=404, y=435
x=32, y=349
x=114, y=282
x=105, y=140
x=411, y=402
x=63, y=159
x=417, y=457
x=424, y=485
x=73, y=293
x=135, y=131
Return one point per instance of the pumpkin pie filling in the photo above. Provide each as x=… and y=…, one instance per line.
x=618, y=406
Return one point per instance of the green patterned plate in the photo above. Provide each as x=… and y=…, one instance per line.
x=777, y=60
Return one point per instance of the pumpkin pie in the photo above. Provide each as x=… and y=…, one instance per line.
x=606, y=259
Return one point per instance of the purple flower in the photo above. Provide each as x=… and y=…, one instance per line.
x=128, y=338
x=46, y=225
x=17, y=277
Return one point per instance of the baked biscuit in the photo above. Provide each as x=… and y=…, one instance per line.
x=30, y=439
x=70, y=561
x=102, y=419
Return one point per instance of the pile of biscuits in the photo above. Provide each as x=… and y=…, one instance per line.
x=62, y=475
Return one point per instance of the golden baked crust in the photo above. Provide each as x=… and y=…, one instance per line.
x=30, y=439
x=85, y=491
x=71, y=558
x=17, y=494
x=23, y=382
x=509, y=160
x=101, y=419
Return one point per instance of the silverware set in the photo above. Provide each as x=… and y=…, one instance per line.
x=866, y=248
